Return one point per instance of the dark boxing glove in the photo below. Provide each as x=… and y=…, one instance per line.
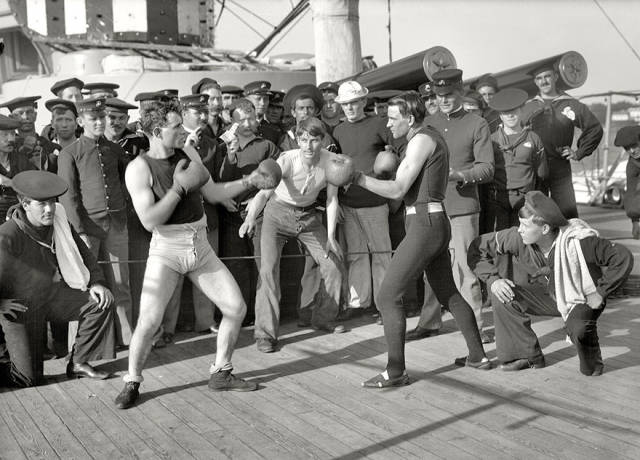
x=188, y=176
x=266, y=176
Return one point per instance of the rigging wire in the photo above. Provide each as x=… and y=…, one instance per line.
x=242, y=20
x=285, y=33
x=613, y=24
x=222, y=4
x=252, y=13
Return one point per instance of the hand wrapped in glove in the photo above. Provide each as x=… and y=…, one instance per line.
x=266, y=176
x=188, y=176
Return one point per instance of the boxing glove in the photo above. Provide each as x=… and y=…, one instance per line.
x=340, y=170
x=266, y=176
x=188, y=176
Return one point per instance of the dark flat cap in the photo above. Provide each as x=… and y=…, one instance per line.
x=68, y=83
x=329, y=87
x=8, y=123
x=307, y=91
x=627, y=137
x=426, y=89
x=39, y=185
x=446, y=80
x=542, y=67
x=277, y=98
x=203, y=84
x=194, y=101
x=230, y=89
x=100, y=87
x=92, y=104
x=146, y=96
x=167, y=93
x=544, y=207
x=28, y=101
x=53, y=104
x=472, y=97
x=258, y=87
x=508, y=99
x=485, y=80
x=384, y=94
x=113, y=104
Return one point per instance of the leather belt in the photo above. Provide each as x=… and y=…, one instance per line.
x=432, y=207
x=311, y=207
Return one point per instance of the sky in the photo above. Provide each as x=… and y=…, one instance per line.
x=483, y=35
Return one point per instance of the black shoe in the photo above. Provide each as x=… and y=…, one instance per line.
x=421, y=333
x=128, y=396
x=226, y=381
x=266, y=345
x=332, y=328
x=75, y=370
x=524, y=363
x=483, y=365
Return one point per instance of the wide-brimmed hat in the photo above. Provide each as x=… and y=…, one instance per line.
x=351, y=91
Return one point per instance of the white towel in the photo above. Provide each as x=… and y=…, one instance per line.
x=72, y=268
x=573, y=282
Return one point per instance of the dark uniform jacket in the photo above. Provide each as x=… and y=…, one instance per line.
x=632, y=196
x=529, y=269
x=133, y=143
x=17, y=163
x=43, y=154
x=29, y=269
x=94, y=170
x=555, y=120
x=269, y=131
x=212, y=151
x=520, y=160
x=470, y=152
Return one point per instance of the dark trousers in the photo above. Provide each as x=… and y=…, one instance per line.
x=501, y=208
x=95, y=338
x=516, y=340
x=424, y=248
x=559, y=186
x=245, y=271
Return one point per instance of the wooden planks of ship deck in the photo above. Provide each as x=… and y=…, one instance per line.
x=311, y=404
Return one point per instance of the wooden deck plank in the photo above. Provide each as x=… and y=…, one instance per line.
x=10, y=447
x=85, y=429
x=53, y=428
x=25, y=431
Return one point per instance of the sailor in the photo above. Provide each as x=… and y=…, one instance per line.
x=554, y=115
x=487, y=86
x=331, y=114
x=276, y=110
x=245, y=151
x=11, y=163
x=230, y=94
x=64, y=125
x=259, y=93
x=70, y=90
x=429, y=97
x=38, y=149
x=117, y=131
x=45, y=265
x=520, y=161
x=96, y=206
x=215, y=125
x=628, y=138
x=559, y=267
x=100, y=89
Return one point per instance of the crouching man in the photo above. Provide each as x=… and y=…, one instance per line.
x=559, y=268
x=167, y=186
x=48, y=274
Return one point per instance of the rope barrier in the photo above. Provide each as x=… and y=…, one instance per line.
x=285, y=256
